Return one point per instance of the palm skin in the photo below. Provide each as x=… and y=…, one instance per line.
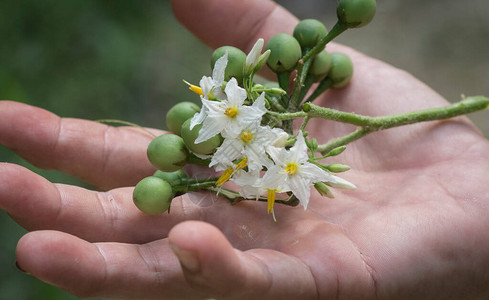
x=415, y=228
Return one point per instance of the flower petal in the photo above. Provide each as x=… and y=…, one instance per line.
x=229, y=150
x=220, y=68
x=236, y=94
x=298, y=153
x=301, y=189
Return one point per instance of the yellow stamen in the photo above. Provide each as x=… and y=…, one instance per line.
x=291, y=168
x=226, y=175
x=231, y=112
x=243, y=163
x=194, y=88
x=270, y=200
x=246, y=136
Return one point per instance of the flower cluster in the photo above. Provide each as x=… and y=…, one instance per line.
x=254, y=156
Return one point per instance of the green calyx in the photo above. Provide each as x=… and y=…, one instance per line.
x=285, y=52
x=355, y=13
x=308, y=32
x=171, y=177
x=153, y=195
x=168, y=152
x=179, y=113
x=190, y=135
x=236, y=62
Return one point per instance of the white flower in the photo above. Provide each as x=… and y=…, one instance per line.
x=230, y=116
x=292, y=171
x=249, y=184
x=250, y=143
x=210, y=88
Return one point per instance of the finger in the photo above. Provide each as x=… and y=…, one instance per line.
x=235, y=23
x=37, y=204
x=211, y=265
x=96, y=153
x=111, y=270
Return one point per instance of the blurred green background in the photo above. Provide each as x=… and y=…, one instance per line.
x=126, y=60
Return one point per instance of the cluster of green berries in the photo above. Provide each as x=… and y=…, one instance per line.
x=170, y=152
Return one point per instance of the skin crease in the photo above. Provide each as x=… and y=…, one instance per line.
x=416, y=227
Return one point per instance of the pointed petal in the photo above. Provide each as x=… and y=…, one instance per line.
x=279, y=155
x=298, y=153
x=313, y=173
x=198, y=118
x=210, y=128
x=236, y=95
x=301, y=189
x=220, y=68
x=229, y=150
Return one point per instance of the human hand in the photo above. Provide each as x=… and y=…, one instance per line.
x=414, y=229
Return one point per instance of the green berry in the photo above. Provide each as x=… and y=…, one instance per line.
x=341, y=69
x=205, y=147
x=285, y=52
x=178, y=114
x=168, y=152
x=171, y=177
x=308, y=32
x=355, y=13
x=236, y=62
x=153, y=195
x=320, y=65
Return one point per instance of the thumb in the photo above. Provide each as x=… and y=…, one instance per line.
x=211, y=265
x=234, y=23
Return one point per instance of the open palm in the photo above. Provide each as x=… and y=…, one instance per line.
x=416, y=227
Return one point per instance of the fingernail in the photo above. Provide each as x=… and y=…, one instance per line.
x=20, y=268
x=187, y=259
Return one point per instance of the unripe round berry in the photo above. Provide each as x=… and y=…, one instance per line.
x=355, y=13
x=171, y=177
x=236, y=62
x=308, y=32
x=341, y=69
x=179, y=113
x=153, y=195
x=285, y=52
x=320, y=65
x=168, y=152
x=189, y=137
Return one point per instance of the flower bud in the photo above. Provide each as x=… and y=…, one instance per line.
x=337, y=151
x=355, y=13
x=285, y=52
x=236, y=62
x=153, y=195
x=320, y=65
x=190, y=135
x=341, y=69
x=171, y=177
x=337, y=168
x=168, y=152
x=308, y=32
x=323, y=189
x=180, y=113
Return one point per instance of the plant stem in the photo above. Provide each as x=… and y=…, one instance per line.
x=372, y=124
x=337, y=29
